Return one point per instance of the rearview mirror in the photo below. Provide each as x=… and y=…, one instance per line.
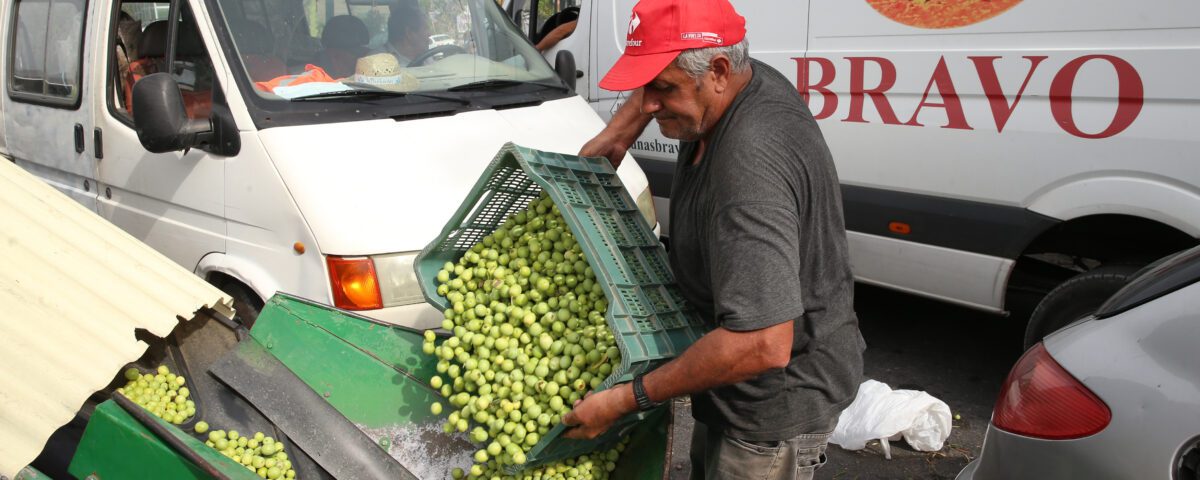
x=160, y=118
x=564, y=66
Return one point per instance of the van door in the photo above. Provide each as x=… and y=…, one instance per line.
x=173, y=201
x=47, y=119
x=979, y=128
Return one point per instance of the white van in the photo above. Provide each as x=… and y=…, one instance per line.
x=987, y=150
x=283, y=153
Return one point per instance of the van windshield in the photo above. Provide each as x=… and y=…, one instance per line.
x=350, y=51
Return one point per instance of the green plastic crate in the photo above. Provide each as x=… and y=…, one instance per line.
x=646, y=312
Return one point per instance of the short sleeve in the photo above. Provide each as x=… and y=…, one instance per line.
x=754, y=265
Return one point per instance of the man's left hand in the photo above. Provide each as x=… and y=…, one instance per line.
x=595, y=413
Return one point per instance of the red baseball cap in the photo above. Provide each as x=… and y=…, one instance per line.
x=660, y=29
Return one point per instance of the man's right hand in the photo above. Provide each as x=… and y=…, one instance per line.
x=606, y=144
x=624, y=128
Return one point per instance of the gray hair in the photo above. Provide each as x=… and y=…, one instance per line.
x=696, y=61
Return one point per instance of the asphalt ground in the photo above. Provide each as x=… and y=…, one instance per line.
x=958, y=355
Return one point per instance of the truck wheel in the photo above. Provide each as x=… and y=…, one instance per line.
x=1076, y=298
x=246, y=306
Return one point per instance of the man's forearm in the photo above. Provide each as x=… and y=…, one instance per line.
x=621, y=132
x=629, y=121
x=722, y=357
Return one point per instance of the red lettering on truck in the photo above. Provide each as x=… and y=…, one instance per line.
x=887, y=79
x=830, y=100
x=1001, y=109
x=945, y=84
x=1130, y=96
x=1130, y=92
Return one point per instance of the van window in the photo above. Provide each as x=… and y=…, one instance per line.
x=305, y=51
x=550, y=14
x=140, y=48
x=147, y=13
x=46, y=52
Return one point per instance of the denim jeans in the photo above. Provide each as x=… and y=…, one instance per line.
x=716, y=456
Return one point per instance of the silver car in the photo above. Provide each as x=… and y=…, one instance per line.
x=1114, y=395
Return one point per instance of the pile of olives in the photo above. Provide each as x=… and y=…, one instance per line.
x=529, y=340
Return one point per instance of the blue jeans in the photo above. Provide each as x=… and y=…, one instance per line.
x=716, y=456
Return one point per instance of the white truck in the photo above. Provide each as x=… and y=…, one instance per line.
x=267, y=145
x=988, y=151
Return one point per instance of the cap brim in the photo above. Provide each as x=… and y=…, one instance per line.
x=633, y=71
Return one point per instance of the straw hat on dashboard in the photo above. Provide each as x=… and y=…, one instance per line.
x=384, y=71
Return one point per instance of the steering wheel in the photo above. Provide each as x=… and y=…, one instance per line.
x=438, y=50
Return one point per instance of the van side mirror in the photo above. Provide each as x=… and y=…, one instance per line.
x=160, y=118
x=564, y=66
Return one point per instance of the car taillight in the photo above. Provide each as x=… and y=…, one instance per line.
x=355, y=285
x=1042, y=400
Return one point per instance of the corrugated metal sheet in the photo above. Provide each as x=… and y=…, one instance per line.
x=73, y=288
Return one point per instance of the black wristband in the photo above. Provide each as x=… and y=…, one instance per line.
x=639, y=395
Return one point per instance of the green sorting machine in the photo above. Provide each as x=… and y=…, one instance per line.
x=349, y=397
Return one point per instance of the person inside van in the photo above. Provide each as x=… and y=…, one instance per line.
x=408, y=33
x=257, y=49
x=129, y=33
x=192, y=70
x=758, y=246
x=558, y=27
x=344, y=40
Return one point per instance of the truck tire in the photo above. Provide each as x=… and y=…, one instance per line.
x=246, y=306
x=1076, y=298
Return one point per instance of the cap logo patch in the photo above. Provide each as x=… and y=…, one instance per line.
x=706, y=37
x=634, y=22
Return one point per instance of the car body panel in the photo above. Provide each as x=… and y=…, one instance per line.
x=1143, y=365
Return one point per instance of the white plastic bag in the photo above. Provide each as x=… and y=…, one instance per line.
x=878, y=412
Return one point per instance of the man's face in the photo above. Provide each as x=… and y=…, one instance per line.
x=679, y=103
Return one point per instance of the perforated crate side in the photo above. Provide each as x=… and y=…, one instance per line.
x=501, y=191
x=648, y=316
x=650, y=323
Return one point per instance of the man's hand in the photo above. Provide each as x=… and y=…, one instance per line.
x=720, y=357
x=606, y=144
x=596, y=413
x=620, y=133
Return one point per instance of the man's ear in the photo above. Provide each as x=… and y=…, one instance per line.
x=721, y=70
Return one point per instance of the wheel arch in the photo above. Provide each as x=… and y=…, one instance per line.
x=1081, y=244
x=1111, y=237
x=218, y=268
x=1162, y=200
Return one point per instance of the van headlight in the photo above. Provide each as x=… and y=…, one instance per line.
x=645, y=204
x=377, y=281
x=398, y=283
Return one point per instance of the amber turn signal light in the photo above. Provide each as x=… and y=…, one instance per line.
x=355, y=285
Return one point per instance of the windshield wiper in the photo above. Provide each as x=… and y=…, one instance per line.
x=368, y=90
x=501, y=83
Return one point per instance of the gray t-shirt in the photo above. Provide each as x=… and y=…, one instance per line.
x=757, y=239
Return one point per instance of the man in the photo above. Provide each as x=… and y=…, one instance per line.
x=758, y=246
x=408, y=33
